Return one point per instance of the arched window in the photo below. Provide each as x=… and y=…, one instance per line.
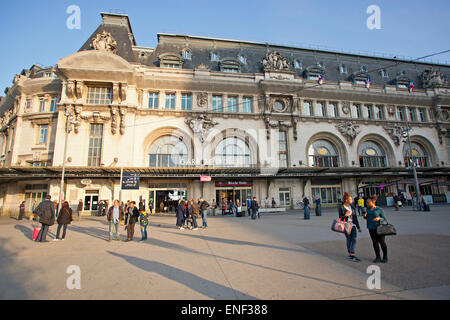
x=371, y=155
x=168, y=151
x=323, y=154
x=417, y=154
x=233, y=152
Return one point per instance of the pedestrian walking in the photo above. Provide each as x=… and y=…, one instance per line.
x=181, y=211
x=21, y=210
x=238, y=208
x=79, y=208
x=46, y=213
x=142, y=205
x=33, y=207
x=375, y=216
x=203, y=207
x=231, y=207
x=348, y=214
x=255, y=208
x=143, y=222
x=195, y=214
x=396, y=202
x=306, y=208
x=318, y=206
x=150, y=206
x=64, y=219
x=360, y=205
x=249, y=206
x=114, y=216
x=274, y=204
x=133, y=215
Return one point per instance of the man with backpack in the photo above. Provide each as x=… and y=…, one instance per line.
x=249, y=206
x=46, y=213
x=255, y=208
x=203, y=207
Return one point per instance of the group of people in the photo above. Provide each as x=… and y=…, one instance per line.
x=46, y=211
x=188, y=212
x=374, y=216
x=250, y=207
x=307, y=209
x=127, y=214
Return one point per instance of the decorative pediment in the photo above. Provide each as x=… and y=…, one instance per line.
x=170, y=58
x=349, y=130
x=313, y=71
x=401, y=80
x=432, y=79
x=275, y=62
x=201, y=125
x=104, y=42
x=396, y=132
x=227, y=64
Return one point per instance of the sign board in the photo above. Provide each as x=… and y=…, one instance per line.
x=130, y=181
x=204, y=178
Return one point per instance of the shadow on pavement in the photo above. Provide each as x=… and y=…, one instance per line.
x=99, y=233
x=201, y=285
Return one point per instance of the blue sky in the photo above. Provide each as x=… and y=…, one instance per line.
x=36, y=32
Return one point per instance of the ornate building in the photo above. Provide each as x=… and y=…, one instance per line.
x=259, y=119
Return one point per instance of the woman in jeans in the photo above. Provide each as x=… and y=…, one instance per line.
x=348, y=213
x=64, y=218
x=375, y=216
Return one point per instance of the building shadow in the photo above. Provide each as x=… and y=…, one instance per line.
x=206, y=287
x=99, y=233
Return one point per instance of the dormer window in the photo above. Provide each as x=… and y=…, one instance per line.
x=187, y=54
x=401, y=81
x=312, y=72
x=171, y=61
x=364, y=68
x=214, y=56
x=320, y=65
x=230, y=65
x=343, y=68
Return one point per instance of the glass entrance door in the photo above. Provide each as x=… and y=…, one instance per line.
x=91, y=201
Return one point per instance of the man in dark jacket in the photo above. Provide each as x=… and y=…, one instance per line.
x=114, y=216
x=133, y=213
x=203, y=207
x=46, y=213
x=255, y=207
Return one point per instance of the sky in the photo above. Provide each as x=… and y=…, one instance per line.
x=35, y=32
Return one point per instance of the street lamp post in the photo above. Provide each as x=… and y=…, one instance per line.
x=69, y=123
x=413, y=163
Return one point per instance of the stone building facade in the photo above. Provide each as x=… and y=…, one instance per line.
x=260, y=120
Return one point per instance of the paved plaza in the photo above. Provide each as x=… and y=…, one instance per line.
x=280, y=256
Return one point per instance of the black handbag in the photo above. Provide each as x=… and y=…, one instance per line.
x=386, y=229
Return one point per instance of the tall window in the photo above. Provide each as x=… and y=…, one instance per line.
x=168, y=151
x=28, y=104
x=232, y=104
x=401, y=113
x=233, y=152
x=42, y=105
x=307, y=108
x=217, y=103
x=95, y=145
x=422, y=115
x=321, y=112
x=369, y=111
x=379, y=112
x=412, y=114
x=153, y=100
x=282, y=149
x=332, y=110
x=43, y=132
x=53, y=106
x=170, y=101
x=247, y=105
x=357, y=111
x=186, y=101
x=99, y=95
x=172, y=65
x=371, y=155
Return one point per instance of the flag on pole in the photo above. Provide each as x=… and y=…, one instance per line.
x=320, y=79
x=411, y=86
x=368, y=83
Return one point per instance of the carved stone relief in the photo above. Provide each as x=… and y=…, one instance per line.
x=349, y=130
x=201, y=125
x=104, y=42
x=274, y=62
x=395, y=131
x=202, y=99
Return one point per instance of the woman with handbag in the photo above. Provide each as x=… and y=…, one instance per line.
x=375, y=216
x=64, y=218
x=348, y=213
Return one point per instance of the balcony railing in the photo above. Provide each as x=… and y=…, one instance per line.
x=325, y=161
x=421, y=162
x=372, y=161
